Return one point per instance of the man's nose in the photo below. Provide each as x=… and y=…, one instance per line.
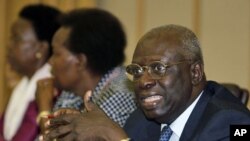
x=146, y=81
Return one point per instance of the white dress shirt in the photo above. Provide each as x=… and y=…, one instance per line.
x=178, y=125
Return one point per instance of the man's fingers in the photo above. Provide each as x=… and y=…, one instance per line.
x=68, y=137
x=57, y=132
x=63, y=111
x=59, y=112
x=61, y=120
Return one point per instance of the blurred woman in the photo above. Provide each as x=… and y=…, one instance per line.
x=28, y=52
x=88, y=55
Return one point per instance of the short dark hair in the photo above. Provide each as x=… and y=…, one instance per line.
x=44, y=20
x=189, y=41
x=99, y=35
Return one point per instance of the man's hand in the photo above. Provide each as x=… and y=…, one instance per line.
x=93, y=123
x=64, y=111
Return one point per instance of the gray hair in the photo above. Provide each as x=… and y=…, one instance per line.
x=188, y=39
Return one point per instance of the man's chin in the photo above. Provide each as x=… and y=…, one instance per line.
x=150, y=114
x=154, y=115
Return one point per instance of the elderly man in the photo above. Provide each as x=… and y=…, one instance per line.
x=176, y=100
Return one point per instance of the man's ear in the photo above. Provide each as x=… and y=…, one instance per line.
x=82, y=58
x=197, y=72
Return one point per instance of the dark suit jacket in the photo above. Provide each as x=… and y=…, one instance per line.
x=210, y=119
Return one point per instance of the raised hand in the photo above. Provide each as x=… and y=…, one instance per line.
x=45, y=93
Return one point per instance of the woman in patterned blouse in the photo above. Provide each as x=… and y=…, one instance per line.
x=88, y=55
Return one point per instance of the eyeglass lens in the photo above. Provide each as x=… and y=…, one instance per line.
x=155, y=69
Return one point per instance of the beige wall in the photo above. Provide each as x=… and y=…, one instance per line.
x=223, y=27
x=2, y=51
x=225, y=36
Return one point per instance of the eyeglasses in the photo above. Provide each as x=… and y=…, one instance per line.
x=156, y=69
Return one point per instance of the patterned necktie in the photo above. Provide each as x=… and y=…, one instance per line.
x=166, y=133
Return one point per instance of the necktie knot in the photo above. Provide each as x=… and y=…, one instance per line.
x=166, y=133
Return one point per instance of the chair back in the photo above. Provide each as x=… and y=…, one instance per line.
x=241, y=93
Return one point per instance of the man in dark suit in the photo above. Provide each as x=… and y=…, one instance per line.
x=210, y=120
x=175, y=99
x=177, y=94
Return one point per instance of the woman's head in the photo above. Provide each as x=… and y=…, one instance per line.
x=31, y=35
x=97, y=34
x=88, y=38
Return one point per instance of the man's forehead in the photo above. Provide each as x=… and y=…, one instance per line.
x=156, y=47
x=160, y=42
x=166, y=55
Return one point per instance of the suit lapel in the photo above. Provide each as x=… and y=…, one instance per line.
x=153, y=131
x=191, y=127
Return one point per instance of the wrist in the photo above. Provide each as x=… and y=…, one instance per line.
x=45, y=105
x=42, y=114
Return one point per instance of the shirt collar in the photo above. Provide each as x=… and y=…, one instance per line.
x=178, y=125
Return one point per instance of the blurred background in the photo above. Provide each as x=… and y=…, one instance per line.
x=223, y=27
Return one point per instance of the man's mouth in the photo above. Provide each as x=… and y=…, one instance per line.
x=151, y=102
x=153, y=98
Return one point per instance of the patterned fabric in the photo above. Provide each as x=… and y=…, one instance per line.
x=68, y=100
x=166, y=133
x=114, y=94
